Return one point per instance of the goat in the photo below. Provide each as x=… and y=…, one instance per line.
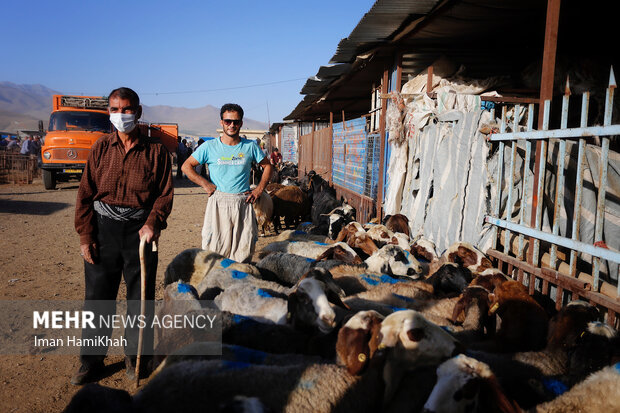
x=291, y=203
x=263, y=209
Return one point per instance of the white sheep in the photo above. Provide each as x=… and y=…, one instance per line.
x=393, y=260
x=599, y=393
x=464, y=385
x=191, y=386
x=192, y=265
x=308, y=249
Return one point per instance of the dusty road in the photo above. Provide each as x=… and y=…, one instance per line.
x=40, y=260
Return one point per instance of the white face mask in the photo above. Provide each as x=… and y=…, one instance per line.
x=123, y=122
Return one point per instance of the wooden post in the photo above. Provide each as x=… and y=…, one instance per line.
x=399, y=72
x=429, y=80
x=312, y=147
x=382, y=125
x=331, y=147
x=546, y=93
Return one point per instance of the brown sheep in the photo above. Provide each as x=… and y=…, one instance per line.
x=524, y=321
x=291, y=203
x=397, y=223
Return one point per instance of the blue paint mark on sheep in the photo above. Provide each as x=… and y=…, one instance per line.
x=184, y=288
x=310, y=260
x=234, y=365
x=555, y=386
x=383, y=279
x=238, y=319
x=239, y=275
x=402, y=297
x=446, y=328
x=617, y=367
x=320, y=243
x=386, y=279
x=306, y=384
x=395, y=309
x=298, y=232
x=226, y=262
x=248, y=355
x=263, y=293
x=370, y=281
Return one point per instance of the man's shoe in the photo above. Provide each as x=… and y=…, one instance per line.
x=86, y=374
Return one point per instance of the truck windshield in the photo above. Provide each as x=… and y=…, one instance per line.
x=80, y=121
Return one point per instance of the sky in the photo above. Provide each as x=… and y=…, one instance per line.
x=179, y=53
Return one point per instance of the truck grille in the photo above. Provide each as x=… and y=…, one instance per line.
x=69, y=154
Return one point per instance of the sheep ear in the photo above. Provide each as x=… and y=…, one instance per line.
x=334, y=298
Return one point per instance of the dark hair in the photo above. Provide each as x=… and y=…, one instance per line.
x=275, y=149
x=231, y=107
x=126, y=93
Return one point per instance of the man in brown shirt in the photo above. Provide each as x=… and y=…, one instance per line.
x=125, y=194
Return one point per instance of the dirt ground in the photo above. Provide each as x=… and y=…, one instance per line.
x=40, y=260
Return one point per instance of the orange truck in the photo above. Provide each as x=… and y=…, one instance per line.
x=75, y=125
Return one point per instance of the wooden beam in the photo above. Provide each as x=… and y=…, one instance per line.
x=546, y=93
x=382, y=126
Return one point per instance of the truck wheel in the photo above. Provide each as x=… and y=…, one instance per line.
x=49, y=179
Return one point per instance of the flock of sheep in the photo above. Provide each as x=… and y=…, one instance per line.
x=368, y=320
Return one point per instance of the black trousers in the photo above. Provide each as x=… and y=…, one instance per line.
x=118, y=249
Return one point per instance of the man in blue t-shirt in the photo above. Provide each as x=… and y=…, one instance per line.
x=229, y=227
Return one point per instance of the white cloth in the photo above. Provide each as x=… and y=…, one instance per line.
x=230, y=227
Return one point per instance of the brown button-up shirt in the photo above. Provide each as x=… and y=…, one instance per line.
x=140, y=178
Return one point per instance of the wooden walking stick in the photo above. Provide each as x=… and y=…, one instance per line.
x=142, y=303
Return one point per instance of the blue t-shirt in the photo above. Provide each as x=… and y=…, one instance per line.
x=229, y=166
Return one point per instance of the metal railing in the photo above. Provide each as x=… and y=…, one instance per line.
x=550, y=270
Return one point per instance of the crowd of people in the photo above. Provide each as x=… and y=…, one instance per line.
x=28, y=146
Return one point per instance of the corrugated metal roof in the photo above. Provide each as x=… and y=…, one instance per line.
x=378, y=25
x=317, y=85
x=488, y=37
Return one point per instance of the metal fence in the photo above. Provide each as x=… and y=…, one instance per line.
x=315, y=153
x=16, y=168
x=562, y=261
x=347, y=156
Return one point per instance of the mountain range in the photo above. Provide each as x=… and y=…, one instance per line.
x=22, y=106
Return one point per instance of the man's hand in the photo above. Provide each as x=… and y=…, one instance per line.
x=209, y=188
x=149, y=232
x=254, y=195
x=89, y=252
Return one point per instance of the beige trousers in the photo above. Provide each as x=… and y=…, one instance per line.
x=230, y=227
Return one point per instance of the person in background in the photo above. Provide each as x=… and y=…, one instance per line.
x=125, y=195
x=230, y=227
x=181, y=156
x=36, y=147
x=12, y=145
x=26, y=148
x=276, y=157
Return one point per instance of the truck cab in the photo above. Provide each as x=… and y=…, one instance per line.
x=76, y=123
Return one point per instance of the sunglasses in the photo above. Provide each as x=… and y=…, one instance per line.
x=235, y=122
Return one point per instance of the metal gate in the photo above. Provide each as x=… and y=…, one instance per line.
x=563, y=266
